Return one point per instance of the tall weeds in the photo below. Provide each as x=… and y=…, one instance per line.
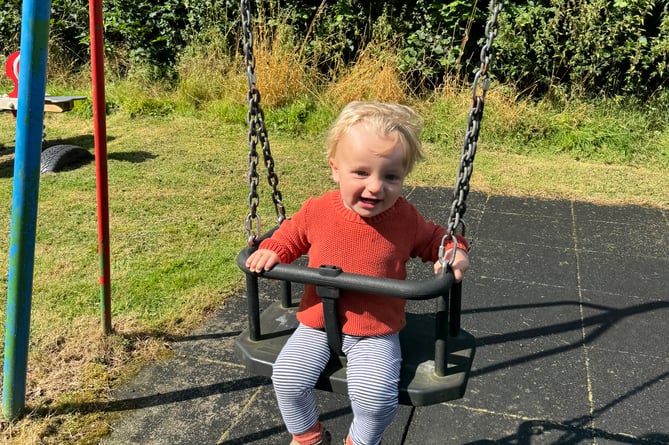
x=373, y=76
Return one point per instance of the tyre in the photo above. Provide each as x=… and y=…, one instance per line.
x=64, y=157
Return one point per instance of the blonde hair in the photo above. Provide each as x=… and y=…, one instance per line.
x=384, y=118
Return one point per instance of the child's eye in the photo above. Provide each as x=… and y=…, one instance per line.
x=392, y=178
x=360, y=173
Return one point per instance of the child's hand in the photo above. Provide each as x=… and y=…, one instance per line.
x=262, y=259
x=459, y=266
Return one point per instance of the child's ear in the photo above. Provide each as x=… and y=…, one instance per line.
x=335, y=170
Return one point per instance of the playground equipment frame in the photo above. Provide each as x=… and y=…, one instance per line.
x=29, y=123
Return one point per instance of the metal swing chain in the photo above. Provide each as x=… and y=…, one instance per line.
x=257, y=135
x=482, y=80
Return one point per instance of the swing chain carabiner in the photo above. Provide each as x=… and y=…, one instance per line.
x=466, y=167
x=257, y=135
x=442, y=250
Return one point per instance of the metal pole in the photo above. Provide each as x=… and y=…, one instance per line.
x=99, y=117
x=29, y=124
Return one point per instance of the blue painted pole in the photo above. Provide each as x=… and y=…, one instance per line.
x=29, y=124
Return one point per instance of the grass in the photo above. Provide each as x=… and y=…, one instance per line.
x=172, y=254
x=178, y=200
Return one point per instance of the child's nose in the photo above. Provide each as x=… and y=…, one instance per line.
x=374, y=185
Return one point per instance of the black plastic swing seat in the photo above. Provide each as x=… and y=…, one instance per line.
x=435, y=362
x=419, y=385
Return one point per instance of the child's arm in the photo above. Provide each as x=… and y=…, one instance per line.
x=262, y=259
x=459, y=265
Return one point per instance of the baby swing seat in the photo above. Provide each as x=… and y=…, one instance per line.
x=436, y=360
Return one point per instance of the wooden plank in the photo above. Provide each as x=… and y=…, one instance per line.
x=8, y=103
x=52, y=104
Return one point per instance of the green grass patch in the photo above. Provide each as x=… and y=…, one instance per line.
x=609, y=132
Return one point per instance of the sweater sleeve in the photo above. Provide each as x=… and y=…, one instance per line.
x=290, y=240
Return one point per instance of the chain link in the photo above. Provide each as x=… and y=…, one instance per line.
x=481, y=83
x=257, y=136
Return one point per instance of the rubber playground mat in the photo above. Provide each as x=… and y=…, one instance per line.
x=569, y=302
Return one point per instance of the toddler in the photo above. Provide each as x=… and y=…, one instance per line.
x=365, y=227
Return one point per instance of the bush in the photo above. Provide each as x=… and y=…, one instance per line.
x=592, y=47
x=10, y=26
x=578, y=47
x=136, y=32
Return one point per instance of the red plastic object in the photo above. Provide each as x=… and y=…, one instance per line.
x=12, y=71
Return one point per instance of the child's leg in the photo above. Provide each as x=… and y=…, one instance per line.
x=294, y=376
x=373, y=374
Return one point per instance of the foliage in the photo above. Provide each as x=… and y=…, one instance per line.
x=137, y=33
x=441, y=38
x=10, y=26
x=575, y=47
x=585, y=47
x=433, y=37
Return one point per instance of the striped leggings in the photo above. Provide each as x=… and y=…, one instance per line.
x=372, y=374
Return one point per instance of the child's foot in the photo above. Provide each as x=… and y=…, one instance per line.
x=326, y=439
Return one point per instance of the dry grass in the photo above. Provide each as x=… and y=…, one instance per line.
x=374, y=76
x=72, y=371
x=283, y=73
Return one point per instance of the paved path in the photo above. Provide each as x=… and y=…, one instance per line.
x=569, y=303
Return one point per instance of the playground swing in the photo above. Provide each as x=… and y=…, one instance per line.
x=435, y=364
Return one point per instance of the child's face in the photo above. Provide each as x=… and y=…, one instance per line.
x=369, y=170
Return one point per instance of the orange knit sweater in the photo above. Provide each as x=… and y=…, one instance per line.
x=332, y=234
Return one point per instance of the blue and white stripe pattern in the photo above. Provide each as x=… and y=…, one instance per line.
x=372, y=373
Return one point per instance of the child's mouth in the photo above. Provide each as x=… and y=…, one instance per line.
x=371, y=202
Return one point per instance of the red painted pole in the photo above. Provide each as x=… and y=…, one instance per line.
x=99, y=117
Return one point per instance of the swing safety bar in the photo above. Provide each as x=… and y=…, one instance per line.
x=406, y=289
x=435, y=365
